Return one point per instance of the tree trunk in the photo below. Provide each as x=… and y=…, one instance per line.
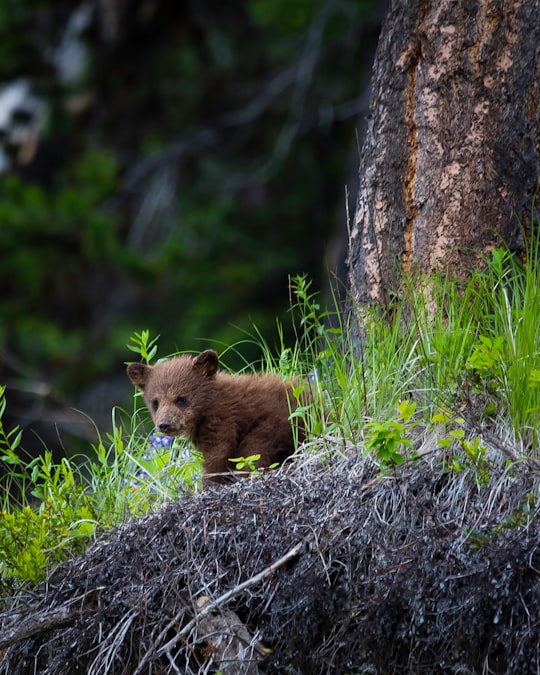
x=450, y=162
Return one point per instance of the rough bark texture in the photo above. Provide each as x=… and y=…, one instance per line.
x=451, y=154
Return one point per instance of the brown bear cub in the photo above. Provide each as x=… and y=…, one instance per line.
x=225, y=416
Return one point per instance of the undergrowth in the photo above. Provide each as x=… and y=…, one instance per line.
x=455, y=357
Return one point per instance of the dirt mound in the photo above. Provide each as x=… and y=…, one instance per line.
x=314, y=568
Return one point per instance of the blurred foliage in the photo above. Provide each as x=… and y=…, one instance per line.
x=58, y=246
x=195, y=160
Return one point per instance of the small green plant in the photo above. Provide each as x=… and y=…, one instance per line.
x=143, y=345
x=249, y=463
x=452, y=426
x=389, y=440
x=487, y=360
x=473, y=451
x=474, y=457
x=243, y=464
x=314, y=329
x=487, y=356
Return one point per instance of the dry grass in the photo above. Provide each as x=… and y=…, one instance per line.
x=419, y=570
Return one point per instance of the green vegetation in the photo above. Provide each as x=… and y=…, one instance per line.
x=389, y=440
x=456, y=358
x=50, y=510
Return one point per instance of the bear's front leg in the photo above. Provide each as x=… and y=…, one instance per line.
x=216, y=442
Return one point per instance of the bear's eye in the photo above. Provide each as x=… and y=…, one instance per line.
x=155, y=404
x=181, y=401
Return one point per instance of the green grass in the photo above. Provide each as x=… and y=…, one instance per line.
x=513, y=319
x=51, y=510
x=458, y=356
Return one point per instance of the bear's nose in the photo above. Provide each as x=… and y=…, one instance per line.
x=164, y=426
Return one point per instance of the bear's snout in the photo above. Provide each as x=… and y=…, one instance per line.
x=165, y=426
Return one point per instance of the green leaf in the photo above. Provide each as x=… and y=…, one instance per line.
x=442, y=418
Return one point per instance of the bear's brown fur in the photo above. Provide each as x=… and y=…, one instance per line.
x=225, y=416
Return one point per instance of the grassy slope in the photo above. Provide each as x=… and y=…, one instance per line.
x=455, y=369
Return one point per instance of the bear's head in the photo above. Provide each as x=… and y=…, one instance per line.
x=177, y=391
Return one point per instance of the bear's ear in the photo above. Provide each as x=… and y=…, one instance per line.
x=206, y=363
x=138, y=373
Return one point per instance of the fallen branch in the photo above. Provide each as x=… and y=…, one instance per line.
x=50, y=619
x=211, y=605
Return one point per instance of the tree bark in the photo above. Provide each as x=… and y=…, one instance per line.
x=450, y=162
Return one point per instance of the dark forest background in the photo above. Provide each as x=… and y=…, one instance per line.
x=165, y=165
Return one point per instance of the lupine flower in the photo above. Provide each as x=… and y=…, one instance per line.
x=157, y=445
x=158, y=440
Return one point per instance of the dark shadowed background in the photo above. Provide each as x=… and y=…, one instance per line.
x=165, y=165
